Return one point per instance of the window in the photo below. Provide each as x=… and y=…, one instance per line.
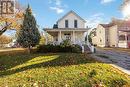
x=66, y=24
x=128, y=37
x=75, y=23
x=100, y=40
x=122, y=37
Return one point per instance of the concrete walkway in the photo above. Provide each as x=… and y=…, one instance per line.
x=120, y=60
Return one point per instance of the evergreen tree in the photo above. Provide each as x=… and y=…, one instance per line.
x=28, y=36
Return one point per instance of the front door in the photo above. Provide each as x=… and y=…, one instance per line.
x=67, y=36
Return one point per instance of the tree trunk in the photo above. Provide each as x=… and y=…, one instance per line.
x=29, y=49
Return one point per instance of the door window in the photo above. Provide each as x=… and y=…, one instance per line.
x=67, y=36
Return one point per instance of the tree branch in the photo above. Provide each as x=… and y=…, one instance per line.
x=4, y=29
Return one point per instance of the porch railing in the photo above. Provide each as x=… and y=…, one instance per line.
x=91, y=47
x=123, y=44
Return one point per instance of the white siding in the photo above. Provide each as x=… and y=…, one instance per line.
x=101, y=41
x=113, y=36
x=71, y=17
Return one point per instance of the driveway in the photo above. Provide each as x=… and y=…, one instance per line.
x=119, y=59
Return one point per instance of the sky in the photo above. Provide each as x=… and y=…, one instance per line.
x=47, y=12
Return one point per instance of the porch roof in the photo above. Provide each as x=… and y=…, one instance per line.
x=125, y=30
x=66, y=29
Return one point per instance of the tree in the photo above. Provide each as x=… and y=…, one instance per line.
x=4, y=40
x=28, y=36
x=91, y=35
x=43, y=39
x=4, y=29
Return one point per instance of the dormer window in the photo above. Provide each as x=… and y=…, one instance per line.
x=75, y=24
x=66, y=24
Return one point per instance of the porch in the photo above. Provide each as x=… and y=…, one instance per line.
x=124, y=39
x=76, y=36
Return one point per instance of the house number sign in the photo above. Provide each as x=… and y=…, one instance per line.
x=7, y=7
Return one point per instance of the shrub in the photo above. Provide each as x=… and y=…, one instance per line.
x=76, y=48
x=65, y=46
x=65, y=49
x=92, y=73
x=65, y=43
x=48, y=48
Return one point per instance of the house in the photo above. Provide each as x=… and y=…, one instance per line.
x=114, y=34
x=70, y=27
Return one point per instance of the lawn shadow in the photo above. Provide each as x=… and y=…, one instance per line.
x=9, y=61
x=64, y=59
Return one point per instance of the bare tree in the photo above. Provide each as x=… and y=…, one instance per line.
x=4, y=40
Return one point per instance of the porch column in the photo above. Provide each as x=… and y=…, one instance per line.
x=126, y=37
x=73, y=37
x=46, y=38
x=59, y=37
x=87, y=41
x=126, y=40
x=46, y=41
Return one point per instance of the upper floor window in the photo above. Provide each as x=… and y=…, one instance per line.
x=100, y=40
x=66, y=24
x=75, y=23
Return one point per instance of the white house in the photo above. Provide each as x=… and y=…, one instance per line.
x=71, y=26
x=114, y=34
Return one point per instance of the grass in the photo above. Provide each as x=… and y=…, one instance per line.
x=58, y=70
x=12, y=51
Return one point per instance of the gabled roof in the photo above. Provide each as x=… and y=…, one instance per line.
x=119, y=23
x=107, y=25
x=69, y=13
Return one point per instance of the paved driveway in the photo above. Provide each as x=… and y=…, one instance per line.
x=118, y=58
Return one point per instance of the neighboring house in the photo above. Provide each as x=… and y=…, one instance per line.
x=69, y=27
x=114, y=34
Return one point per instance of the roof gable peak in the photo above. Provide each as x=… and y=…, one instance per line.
x=71, y=11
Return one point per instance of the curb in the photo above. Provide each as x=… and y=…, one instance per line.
x=121, y=69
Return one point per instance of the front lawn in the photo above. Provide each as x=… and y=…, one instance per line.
x=58, y=70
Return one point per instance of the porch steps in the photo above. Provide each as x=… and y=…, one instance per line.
x=87, y=49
